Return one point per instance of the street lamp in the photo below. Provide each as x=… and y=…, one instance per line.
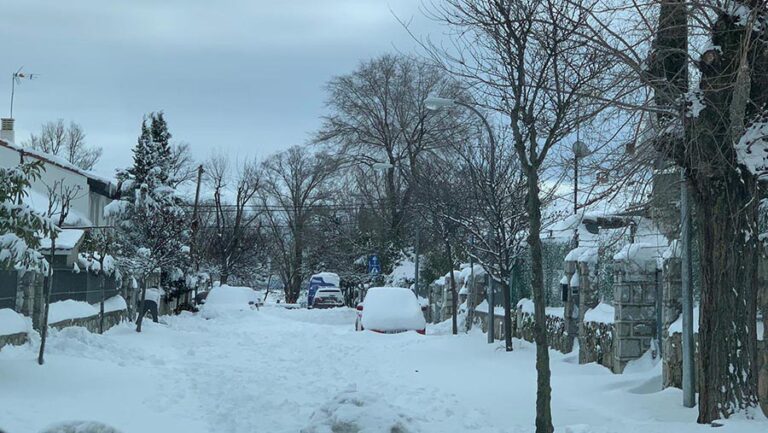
x=435, y=103
x=580, y=150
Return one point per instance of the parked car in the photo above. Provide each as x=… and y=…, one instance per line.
x=222, y=300
x=390, y=310
x=328, y=297
x=318, y=281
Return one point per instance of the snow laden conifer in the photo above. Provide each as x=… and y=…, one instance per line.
x=151, y=223
x=21, y=227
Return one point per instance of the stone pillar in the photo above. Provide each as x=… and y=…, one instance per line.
x=29, y=296
x=635, y=304
x=672, y=308
x=571, y=324
x=588, y=298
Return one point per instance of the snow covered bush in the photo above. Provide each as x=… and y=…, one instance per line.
x=21, y=227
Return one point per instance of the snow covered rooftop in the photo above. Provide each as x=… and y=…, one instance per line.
x=67, y=240
x=61, y=163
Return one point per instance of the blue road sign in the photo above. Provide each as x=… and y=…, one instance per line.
x=374, y=266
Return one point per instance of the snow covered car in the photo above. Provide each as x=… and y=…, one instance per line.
x=390, y=310
x=328, y=297
x=222, y=300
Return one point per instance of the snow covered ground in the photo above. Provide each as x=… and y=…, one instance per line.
x=278, y=370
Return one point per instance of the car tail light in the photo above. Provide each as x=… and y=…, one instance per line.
x=359, y=307
x=422, y=331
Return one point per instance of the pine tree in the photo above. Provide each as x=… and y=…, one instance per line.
x=152, y=227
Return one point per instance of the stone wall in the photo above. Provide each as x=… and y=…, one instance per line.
x=596, y=344
x=635, y=303
x=13, y=339
x=672, y=362
x=522, y=326
x=91, y=323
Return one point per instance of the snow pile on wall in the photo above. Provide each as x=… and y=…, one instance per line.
x=115, y=303
x=483, y=308
x=602, y=313
x=70, y=309
x=677, y=325
x=640, y=253
x=357, y=412
x=582, y=255
x=392, y=309
x=12, y=322
x=526, y=306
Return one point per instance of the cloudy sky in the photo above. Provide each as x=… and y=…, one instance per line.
x=243, y=76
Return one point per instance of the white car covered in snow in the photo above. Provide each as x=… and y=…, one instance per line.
x=222, y=300
x=390, y=310
x=328, y=297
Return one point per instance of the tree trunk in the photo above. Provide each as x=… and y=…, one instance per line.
x=47, y=301
x=454, y=295
x=103, y=295
x=727, y=323
x=726, y=202
x=543, y=388
x=141, y=305
x=507, y=299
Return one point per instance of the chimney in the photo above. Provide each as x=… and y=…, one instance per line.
x=6, y=130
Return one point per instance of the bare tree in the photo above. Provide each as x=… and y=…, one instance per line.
x=295, y=185
x=67, y=142
x=497, y=218
x=378, y=115
x=234, y=225
x=182, y=165
x=60, y=196
x=530, y=64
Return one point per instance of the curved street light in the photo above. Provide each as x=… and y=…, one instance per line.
x=435, y=103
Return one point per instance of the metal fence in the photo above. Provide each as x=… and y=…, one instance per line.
x=80, y=286
x=8, y=287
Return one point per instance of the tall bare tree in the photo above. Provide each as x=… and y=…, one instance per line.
x=498, y=219
x=234, y=224
x=295, y=185
x=378, y=115
x=60, y=196
x=528, y=60
x=66, y=141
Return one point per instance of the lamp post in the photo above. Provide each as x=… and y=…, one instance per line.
x=436, y=103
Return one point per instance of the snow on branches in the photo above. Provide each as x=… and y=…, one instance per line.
x=20, y=225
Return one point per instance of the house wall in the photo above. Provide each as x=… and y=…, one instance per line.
x=51, y=174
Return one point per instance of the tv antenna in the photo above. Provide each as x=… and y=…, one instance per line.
x=16, y=79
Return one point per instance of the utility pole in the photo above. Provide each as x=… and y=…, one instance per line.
x=196, y=223
x=491, y=318
x=416, y=262
x=471, y=294
x=689, y=393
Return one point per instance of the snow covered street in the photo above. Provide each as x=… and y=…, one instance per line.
x=279, y=370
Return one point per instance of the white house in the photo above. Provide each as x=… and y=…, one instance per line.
x=92, y=192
